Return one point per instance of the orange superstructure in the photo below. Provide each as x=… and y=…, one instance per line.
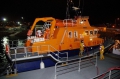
x=62, y=34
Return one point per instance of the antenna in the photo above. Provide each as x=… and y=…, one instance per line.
x=71, y=10
x=67, y=10
x=77, y=9
x=79, y=6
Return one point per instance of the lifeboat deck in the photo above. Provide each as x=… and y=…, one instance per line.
x=85, y=73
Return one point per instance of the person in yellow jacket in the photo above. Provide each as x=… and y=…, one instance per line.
x=101, y=52
x=81, y=48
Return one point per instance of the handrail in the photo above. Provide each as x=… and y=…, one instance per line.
x=15, y=43
x=109, y=72
x=58, y=52
x=65, y=21
x=73, y=64
x=25, y=52
x=63, y=37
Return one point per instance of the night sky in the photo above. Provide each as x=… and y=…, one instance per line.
x=99, y=11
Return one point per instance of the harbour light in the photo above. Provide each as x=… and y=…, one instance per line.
x=4, y=19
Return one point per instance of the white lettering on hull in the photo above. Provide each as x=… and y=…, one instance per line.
x=35, y=39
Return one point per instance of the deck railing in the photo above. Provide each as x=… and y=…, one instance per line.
x=74, y=64
x=19, y=53
x=66, y=22
x=22, y=53
x=15, y=43
x=112, y=73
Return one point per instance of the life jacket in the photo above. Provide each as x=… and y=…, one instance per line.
x=81, y=46
x=47, y=33
x=102, y=48
x=7, y=50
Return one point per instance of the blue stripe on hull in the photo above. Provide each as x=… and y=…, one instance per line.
x=33, y=65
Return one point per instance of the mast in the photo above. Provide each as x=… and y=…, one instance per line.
x=67, y=10
x=71, y=10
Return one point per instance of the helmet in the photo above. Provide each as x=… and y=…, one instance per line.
x=82, y=41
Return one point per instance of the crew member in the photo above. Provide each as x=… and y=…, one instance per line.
x=101, y=52
x=38, y=33
x=81, y=48
x=47, y=33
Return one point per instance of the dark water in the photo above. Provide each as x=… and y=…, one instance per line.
x=109, y=35
x=117, y=36
x=4, y=34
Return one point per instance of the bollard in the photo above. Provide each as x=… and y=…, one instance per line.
x=7, y=72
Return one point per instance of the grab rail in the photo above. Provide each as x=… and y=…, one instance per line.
x=65, y=21
x=74, y=64
x=15, y=43
x=112, y=73
x=25, y=52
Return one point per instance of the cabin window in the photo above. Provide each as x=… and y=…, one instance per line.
x=40, y=28
x=86, y=32
x=95, y=32
x=70, y=34
x=91, y=32
x=75, y=34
